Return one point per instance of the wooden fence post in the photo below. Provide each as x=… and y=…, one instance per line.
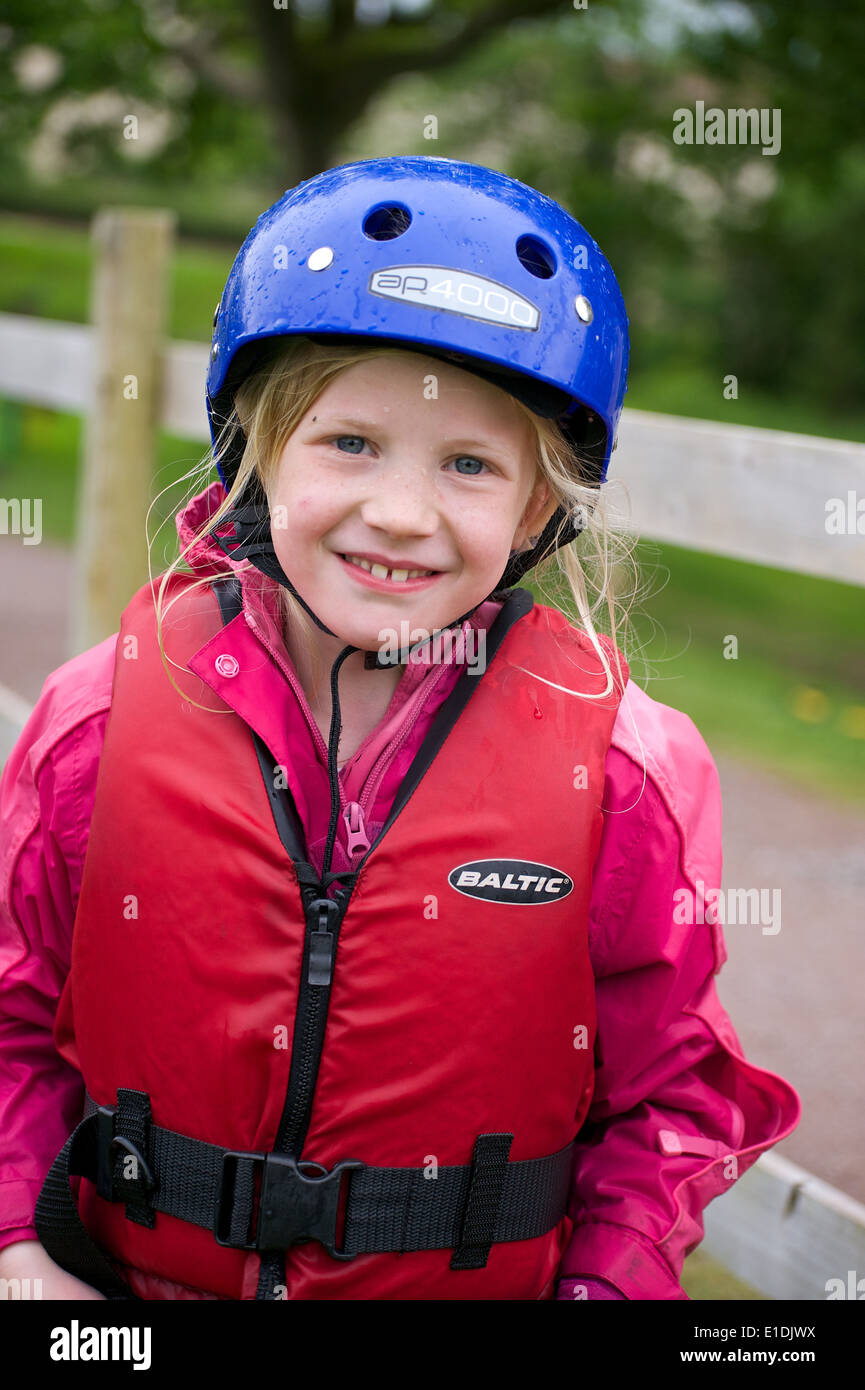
x=129, y=300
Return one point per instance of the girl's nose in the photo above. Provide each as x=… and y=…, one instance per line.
x=404, y=503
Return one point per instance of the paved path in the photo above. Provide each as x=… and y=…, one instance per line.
x=795, y=997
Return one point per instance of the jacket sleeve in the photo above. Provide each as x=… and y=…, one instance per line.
x=47, y=789
x=678, y=1114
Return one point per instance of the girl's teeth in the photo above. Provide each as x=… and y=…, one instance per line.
x=382, y=572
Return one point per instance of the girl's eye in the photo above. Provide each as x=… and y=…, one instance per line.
x=353, y=439
x=469, y=458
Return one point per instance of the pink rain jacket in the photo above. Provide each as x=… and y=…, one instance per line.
x=675, y=1100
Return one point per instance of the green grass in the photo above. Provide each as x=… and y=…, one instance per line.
x=679, y=389
x=704, y=1279
x=45, y=271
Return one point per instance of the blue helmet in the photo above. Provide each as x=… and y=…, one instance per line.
x=450, y=259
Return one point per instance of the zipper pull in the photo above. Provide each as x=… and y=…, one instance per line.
x=322, y=912
x=355, y=828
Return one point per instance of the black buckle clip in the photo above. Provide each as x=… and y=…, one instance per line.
x=106, y=1140
x=291, y=1206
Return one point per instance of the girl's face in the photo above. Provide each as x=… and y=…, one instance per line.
x=382, y=469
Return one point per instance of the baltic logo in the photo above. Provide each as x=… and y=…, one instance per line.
x=518, y=881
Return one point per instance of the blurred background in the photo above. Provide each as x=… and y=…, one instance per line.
x=732, y=262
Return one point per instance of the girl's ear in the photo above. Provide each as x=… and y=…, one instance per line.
x=539, y=509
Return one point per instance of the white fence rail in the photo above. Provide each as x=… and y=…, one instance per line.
x=788, y=1234
x=752, y=494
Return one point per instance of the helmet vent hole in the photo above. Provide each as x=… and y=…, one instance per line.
x=386, y=221
x=536, y=256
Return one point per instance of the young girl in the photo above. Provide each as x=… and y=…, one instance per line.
x=392, y=973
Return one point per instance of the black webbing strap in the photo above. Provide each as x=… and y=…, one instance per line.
x=58, y=1225
x=486, y=1185
x=404, y=1209
x=467, y=1208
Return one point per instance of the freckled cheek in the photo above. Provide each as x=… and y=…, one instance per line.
x=314, y=514
x=482, y=545
x=300, y=526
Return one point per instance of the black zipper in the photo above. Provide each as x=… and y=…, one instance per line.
x=323, y=919
x=324, y=916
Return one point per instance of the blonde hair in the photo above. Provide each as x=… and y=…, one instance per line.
x=275, y=396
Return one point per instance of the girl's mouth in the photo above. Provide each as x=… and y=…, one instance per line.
x=386, y=580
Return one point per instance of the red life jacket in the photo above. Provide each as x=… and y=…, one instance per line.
x=453, y=1011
